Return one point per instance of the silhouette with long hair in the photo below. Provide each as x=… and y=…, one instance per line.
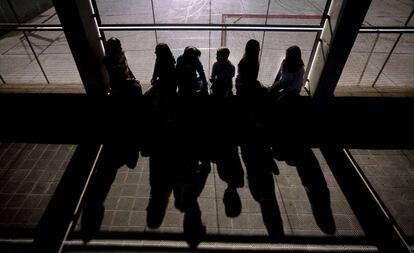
x=289, y=78
x=122, y=81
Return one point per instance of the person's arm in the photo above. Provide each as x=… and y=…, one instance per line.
x=279, y=73
x=200, y=71
x=297, y=82
x=213, y=76
x=155, y=74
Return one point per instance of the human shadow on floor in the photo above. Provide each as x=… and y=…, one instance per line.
x=113, y=157
x=260, y=168
x=313, y=180
x=185, y=177
x=230, y=170
x=177, y=166
x=224, y=151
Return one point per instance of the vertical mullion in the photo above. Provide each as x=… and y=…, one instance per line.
x=153, y=20
x=264, y=32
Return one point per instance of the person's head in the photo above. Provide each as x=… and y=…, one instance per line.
x=163, y=52
x=113, y=46
x=252, y=49
x=293, y=59
x=197, y=52
x=191, y=53
x=222, y=54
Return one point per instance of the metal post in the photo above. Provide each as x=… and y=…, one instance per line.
x=264, y=32
x=153, y=19
x=209, y=40
x=97, y=16
x=315, y=44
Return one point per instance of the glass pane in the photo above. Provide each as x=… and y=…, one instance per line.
x=30, y=174
x=31, y=12
x=56, y=58
x=182, y=12
x=198, y=11
x=388, y=12
x=238, y=12
x=21, y=67
x=298, y=12
x=280, y=12
x=125, y=11
x=53, y=53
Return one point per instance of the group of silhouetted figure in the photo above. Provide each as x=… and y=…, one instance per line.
x=189, y=124
x=186, y=77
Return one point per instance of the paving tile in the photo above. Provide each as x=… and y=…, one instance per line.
x=24, y=200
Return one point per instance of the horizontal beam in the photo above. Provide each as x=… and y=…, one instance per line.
x=202, y=27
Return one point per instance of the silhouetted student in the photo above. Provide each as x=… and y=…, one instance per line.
x=247, y=84
x=190, y=72
x=161, y=97
x=122, y=81
x=224, y=152
x=192, y=106
x=289, y=78
x=250, y=92
x=164, y=78
x=126, y=92
x=222, y=74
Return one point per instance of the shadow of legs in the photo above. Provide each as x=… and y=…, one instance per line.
x=259, y=166
x=317, y=190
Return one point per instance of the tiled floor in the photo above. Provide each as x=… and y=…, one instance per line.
x=125, y=205
x=30, y=173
